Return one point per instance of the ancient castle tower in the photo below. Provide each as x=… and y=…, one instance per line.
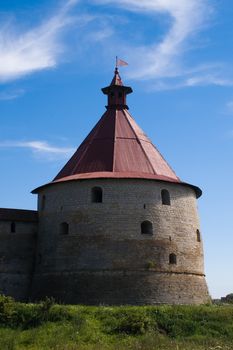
x=115, y=226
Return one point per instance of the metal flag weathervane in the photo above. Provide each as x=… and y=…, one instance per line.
x=120, y=62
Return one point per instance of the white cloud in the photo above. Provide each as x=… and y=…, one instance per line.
x=163, y=63
x=192, y=81
x=163, y=59
x=208, y=79
x=100, y=35
x=40, y=148
x=39, y=48
x=11, y=94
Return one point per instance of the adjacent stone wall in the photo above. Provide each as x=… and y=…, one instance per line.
x=17, y=251
x=104, y=258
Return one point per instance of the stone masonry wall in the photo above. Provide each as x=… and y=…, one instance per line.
x=17, y=251
x=104, y=258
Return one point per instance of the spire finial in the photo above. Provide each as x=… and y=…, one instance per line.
x=116, y=67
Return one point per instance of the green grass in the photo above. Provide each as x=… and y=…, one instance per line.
x=51, y=326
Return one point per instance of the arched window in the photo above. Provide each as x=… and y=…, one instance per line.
x=198, y=236
x=43, y=202
x=165, y=195
x=13, y=227
x=64, y=228
x=172, y=258
x=146, y=228
x=96, y=195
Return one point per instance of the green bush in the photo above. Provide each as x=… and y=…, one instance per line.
x=128, y=320
x=33, y=315
x=7, y=310
x=14, y=314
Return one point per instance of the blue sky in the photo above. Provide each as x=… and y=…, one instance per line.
x=56, y=55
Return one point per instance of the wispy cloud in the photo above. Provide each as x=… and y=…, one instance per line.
x=11, y=94
x=208, y=79
x=163, y=62
x=40, y=148
x=38, y=48
x=192, y=81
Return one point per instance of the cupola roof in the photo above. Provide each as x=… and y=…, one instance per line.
x=117, y=147
x=116, y=79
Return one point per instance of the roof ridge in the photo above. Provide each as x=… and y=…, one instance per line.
x=91, y=140
x=114, y=143
x=139, y=141
x=157, y=150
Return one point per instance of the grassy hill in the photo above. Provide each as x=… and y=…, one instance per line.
x=51, y=326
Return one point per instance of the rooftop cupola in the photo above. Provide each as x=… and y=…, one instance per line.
x=117, y=92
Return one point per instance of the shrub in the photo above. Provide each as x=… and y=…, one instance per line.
x=131, y=321
x=7, y=310
x=32, y=315
x=28, y=316
x=46, y=304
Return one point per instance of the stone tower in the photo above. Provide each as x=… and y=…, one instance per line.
x=116, y=225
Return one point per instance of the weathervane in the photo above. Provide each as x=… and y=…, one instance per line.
x=120, y=62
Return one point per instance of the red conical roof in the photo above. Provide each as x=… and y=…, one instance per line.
x=117, y=147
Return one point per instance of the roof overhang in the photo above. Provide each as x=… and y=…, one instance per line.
x=118, y=175
x=127, y=89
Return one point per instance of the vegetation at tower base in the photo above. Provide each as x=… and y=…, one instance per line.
x=47, y=325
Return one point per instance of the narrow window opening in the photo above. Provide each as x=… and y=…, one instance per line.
x=43, y=202
x=198, y=236
x=144, y=206
x=172, y=258
x=64, y=228
x=170, y=238
x=165, y=195
x=13, y=227
x=97, y=195
x=146, y=228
